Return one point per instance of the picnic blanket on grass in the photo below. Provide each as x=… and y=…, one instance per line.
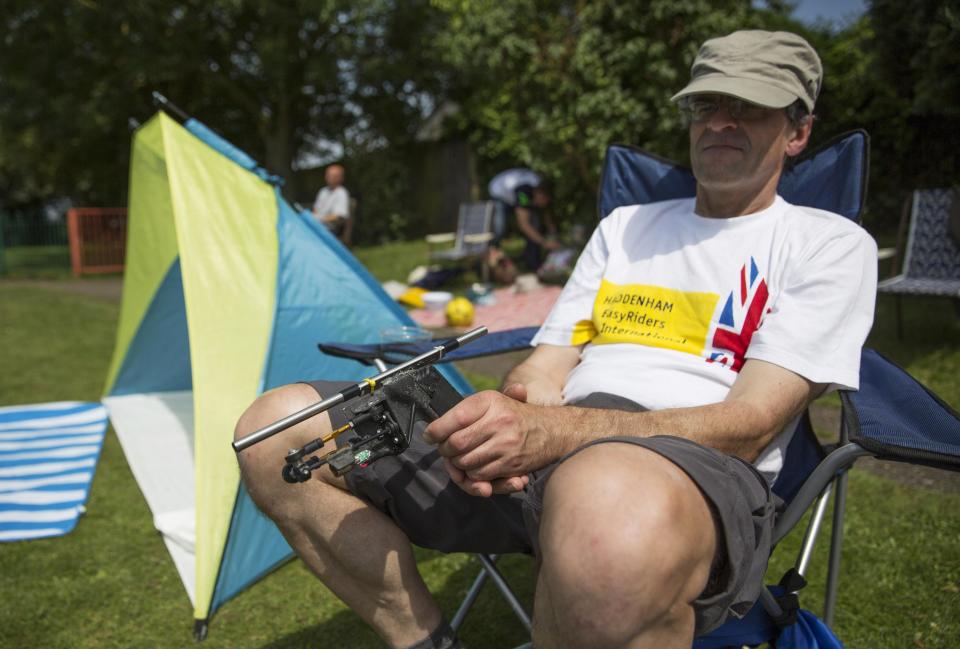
x=48, y=454
x=510, y=310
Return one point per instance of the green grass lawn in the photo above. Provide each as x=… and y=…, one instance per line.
x=46, y=262
x=111, y=583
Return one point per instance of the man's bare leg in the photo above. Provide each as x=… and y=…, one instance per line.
x=354, y=549
x=627, y=543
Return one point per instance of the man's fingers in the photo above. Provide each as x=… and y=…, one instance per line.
x=457, y=475
x=463, y=442
x=516, y=391
x=510, y=485
x=480, y=488
x=468, y=411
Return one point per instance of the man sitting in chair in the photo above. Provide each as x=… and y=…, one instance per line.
x=633, y=451
x=332, y=205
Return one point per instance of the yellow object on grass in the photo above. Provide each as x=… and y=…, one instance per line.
x=413, y=296
x=459, y=312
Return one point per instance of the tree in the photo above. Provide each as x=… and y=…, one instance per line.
x=551, y=84
x=283, y=80
x=893, y=73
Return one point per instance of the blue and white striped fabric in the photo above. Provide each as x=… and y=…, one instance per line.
x=48, y=453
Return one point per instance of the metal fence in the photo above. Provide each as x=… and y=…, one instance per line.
x=95, y=237
x=30, y=230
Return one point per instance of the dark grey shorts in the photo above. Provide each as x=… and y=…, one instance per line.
x=415, y=491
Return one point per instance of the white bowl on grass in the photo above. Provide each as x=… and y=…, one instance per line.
x=436, y=300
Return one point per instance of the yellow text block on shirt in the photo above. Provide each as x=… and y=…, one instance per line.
x=653, y=315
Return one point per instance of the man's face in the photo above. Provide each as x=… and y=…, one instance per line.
x=541, y=197
x=334, y=176
x=735, y=145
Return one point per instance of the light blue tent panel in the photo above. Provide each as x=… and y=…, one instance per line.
x=158, y=359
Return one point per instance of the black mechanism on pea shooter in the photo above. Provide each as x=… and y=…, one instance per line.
x=382, y=418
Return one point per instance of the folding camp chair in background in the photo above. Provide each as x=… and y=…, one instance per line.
x=468, y=245
x=931, y=257
x=892, y=416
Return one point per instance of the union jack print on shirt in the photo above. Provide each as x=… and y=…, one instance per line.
x=741, y=316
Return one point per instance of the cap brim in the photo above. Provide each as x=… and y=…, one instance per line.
x=761, y=93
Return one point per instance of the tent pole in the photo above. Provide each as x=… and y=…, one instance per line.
x=169, y=106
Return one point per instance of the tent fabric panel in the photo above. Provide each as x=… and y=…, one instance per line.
x=255, y=547
x=322, y=297
x=226, y=232
x=312, y=285
x=350, y=261
x=158, y=357
x=237, y=155
x=156, y=433
x=322, y=292
x=151, y=239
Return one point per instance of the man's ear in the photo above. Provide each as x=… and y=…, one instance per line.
x=799, y=137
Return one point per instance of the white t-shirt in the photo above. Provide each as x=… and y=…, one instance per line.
x=332, y=201
x=671, y=304
x=504, y=185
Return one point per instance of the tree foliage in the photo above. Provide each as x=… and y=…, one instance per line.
x=551, y=84
x=543, y=83
x=285, y=80
x=893, y=73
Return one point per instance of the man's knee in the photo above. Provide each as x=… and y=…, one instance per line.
x=261, y=464
x=624, y=524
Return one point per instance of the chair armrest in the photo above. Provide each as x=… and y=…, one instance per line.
x=442, y=237
x=480, y=237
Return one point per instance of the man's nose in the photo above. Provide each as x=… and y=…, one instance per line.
x=721, y=119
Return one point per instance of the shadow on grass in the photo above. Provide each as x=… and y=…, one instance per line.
x=490, y=622
x=930, y=327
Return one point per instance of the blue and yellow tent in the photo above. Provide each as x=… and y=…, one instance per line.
x=227, y=291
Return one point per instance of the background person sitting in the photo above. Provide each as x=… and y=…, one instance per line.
x=535, y=224
x=502, y=189
x=332, y=205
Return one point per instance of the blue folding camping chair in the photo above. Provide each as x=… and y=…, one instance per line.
x=891, y=417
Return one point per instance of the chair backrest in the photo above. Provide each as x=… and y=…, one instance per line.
x=932, y=252
x=474, y=218
x=831, y=177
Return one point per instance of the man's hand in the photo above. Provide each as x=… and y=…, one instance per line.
x=490, y=441
x=498, y=425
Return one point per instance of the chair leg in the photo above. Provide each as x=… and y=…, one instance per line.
x=813, y=530
x=836, y=546
x=498, y=579
x=489, y=569
x=468, y=601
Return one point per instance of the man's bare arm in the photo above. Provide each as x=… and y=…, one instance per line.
x=544, y=374
x=763, y=400
x=490, y=437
